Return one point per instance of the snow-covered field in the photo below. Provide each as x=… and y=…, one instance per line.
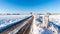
x=53, y=29
x=9, y=19
x=55, y=18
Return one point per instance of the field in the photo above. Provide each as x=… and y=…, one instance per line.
x=9, y=19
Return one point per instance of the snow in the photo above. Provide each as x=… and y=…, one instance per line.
x=47, y=31
x=55, y=19
x=9, y=19
x=37, y=29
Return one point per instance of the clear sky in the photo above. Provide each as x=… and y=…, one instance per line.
x=26, y=6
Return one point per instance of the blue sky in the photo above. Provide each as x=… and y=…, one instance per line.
x=26, y=6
